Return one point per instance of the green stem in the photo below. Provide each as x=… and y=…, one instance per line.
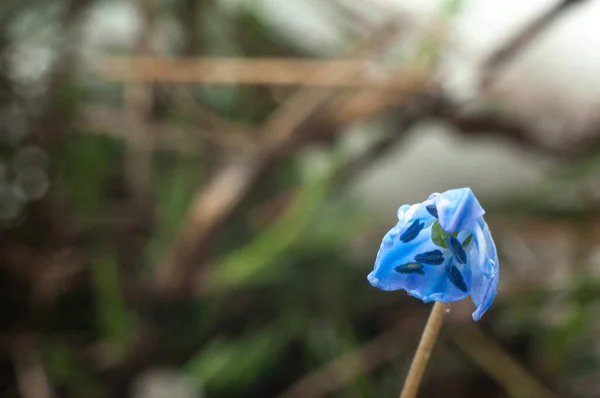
x=428, y=338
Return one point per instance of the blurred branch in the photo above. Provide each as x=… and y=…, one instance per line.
x=363, y=105
x=336, y=374
x=525, y=37
x=492, y=123
x=505, y=370
x=280, y=127
x=210, y=207
x=216, y=200
x=477, y=124
x=271, y=71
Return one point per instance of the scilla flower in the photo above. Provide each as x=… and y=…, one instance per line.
x=440, y=250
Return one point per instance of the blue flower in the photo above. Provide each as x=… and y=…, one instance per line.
x=440, y=250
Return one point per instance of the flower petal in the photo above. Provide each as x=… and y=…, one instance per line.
x=442, y=250
x=458, y=209
x=484, y=268
x=396, y=269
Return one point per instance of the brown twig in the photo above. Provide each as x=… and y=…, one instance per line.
x=283, y=123
x=210, y=206
x=490, y=122
x=216, y=200
x=503, y=55
x=270, y=71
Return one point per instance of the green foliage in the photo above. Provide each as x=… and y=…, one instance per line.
x=175, y=182
x=83, y=170
x=66, y=371
x=258, y=260
x=233, y=365
x=114, y=319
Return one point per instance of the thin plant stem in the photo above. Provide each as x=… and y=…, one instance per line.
x=428, y=338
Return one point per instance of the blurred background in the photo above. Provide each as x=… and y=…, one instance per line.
x=192, y=193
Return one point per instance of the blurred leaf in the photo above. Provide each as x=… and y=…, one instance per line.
x=83, y=168
x=329, y=342
x=114, y=319
x=451, y=8
x=235, y=364
x=576, y=170
x=175, y=185
x=560, y=340
x=65, y=370
x=343, y=220
x=260, y=256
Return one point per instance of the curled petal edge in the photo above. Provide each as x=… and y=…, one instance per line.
x=458, y=209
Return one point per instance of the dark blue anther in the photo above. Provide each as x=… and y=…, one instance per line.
x=410, y=268
x=433, y=257
x=432, y=210
x=456, y=278
x=412, y=232
x=457, y=249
